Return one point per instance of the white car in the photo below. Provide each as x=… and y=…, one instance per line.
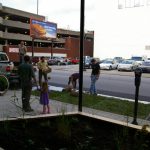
x=138, y=59
x=127, y=65
x=108, y=65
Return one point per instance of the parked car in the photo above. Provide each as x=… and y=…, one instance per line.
x=87, y=63
x=108, y=64
x=138, y=59
x=145, y=66
x=127, y=65
x=5, y=64
x=35, y=60
x=55, y=60
x=52, y=62
x=75, y=61
x=118, y=59
x=8, y=69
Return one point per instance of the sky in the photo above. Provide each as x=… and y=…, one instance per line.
x=117, y=32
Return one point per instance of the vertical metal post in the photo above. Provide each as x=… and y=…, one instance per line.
x=81, y=54
x=32, y=47
x=136, y=106
x=51, y=49
x=37, y=7
x=84, y=69
x=138, y=73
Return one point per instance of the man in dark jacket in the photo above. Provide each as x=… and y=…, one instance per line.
x=94, y=76
x=26, y=74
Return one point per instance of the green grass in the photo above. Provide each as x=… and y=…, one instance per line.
x=117, y=106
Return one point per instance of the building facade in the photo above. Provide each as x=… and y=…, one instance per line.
x=15, y=27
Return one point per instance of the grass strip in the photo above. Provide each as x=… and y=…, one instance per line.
x=113, y=105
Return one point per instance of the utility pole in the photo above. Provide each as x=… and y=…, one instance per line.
x=37, y=7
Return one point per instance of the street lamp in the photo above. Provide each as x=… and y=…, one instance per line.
x=37, y=6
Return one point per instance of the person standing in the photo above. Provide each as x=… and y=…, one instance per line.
x=26, y=74
x=94, y=76
x=44, y=98
x=22, y=51
x=42, y=66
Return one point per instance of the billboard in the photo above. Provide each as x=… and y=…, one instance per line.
x=42, y=30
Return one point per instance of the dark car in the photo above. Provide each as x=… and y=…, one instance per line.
x=52, y=62
x=87, y=63
x=35, y=60
x=145, y=66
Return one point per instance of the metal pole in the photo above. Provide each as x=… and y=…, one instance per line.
x=136, y=106
x=32, y=47
x=51, y=49
x=37, y=6
x=137, y=82
x=84, y=69
x=81, y=54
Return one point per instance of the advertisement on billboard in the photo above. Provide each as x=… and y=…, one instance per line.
x=42, y=30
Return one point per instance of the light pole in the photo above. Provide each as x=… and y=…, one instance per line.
x=37, y=6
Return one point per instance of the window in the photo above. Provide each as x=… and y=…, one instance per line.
x=3, y=57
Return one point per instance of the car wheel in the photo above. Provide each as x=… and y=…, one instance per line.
x=90, y=67
x=110, y=68
x=132, y=69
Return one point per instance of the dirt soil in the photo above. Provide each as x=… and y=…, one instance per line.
x=70, y=133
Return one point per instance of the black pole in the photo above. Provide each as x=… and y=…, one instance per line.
x=137, y=82
x=51, y=49
x=81, y=54
x=32, y=47
x=84, y=69
x=136, y=106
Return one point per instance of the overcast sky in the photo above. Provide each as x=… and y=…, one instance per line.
x=118, y=32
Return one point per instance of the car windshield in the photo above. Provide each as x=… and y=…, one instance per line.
x=3, y=57
x=108, y=62
x=87, y=60
x=126, y=62
x=146, y=63
x=137, y=58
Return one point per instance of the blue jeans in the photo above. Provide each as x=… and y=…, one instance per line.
x=94, y=78
x=21, y=59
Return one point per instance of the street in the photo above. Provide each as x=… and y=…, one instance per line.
x=113, y=83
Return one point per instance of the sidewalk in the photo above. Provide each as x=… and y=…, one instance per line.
x=10, y=107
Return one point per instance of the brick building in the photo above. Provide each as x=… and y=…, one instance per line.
x=15, y=26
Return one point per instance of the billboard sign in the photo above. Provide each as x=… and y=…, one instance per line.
x=42, y=30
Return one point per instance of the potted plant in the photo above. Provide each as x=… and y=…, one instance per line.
x=4, y=84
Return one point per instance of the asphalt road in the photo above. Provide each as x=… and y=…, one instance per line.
x=112, y=83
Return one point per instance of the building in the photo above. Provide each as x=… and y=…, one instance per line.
x=15, y=26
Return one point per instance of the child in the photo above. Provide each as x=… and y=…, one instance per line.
x=44, y=98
